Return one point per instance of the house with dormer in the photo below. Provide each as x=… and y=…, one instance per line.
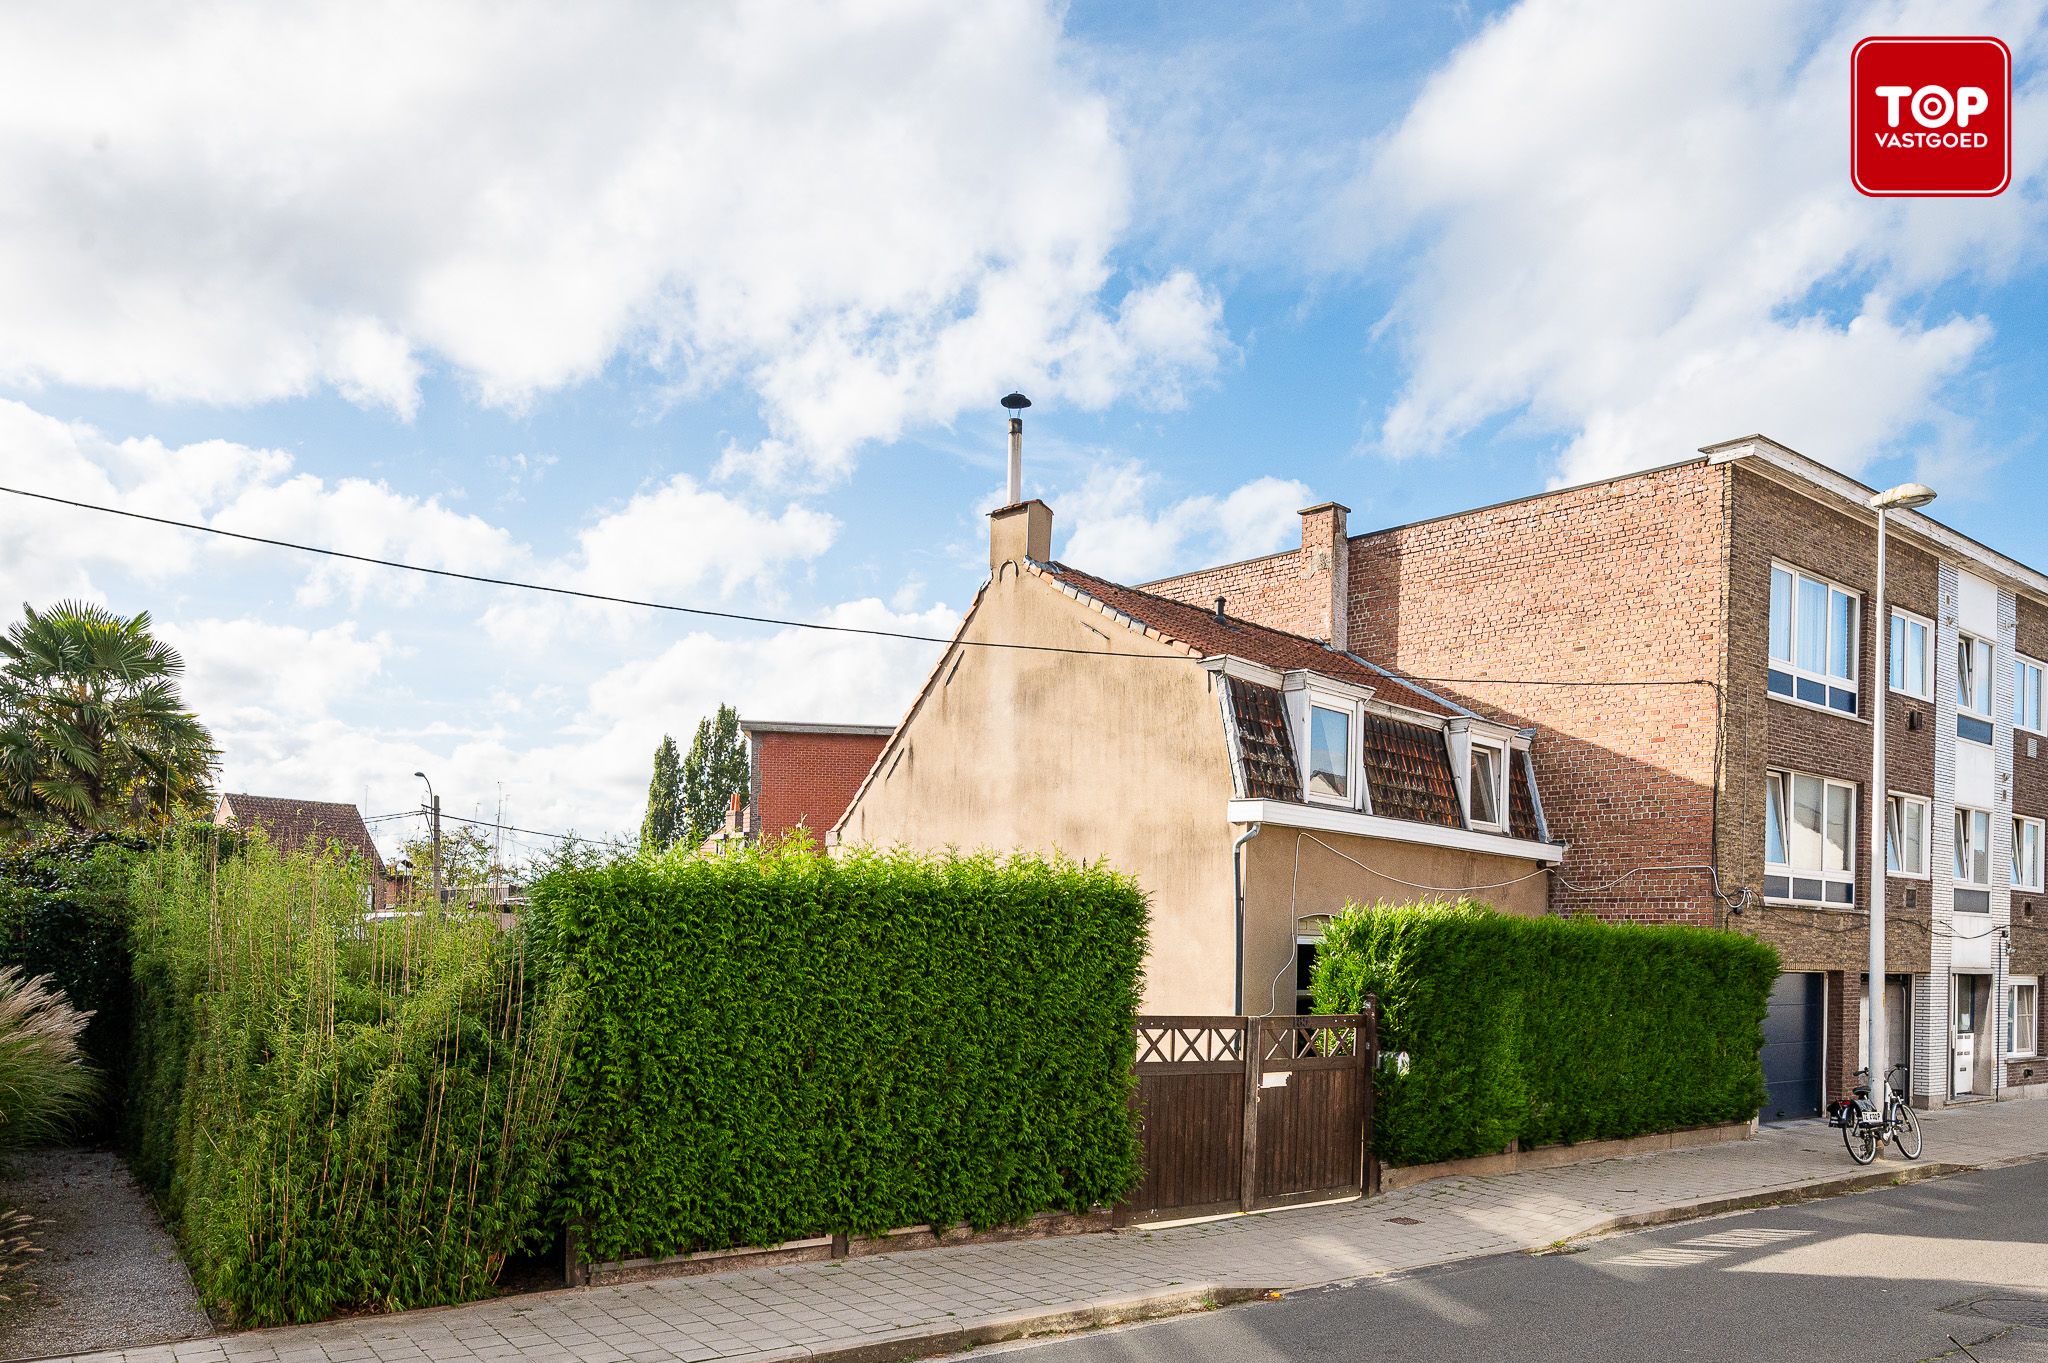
x=1252, y=779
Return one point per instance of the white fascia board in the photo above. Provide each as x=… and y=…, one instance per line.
x=1226, y=665
x=1812, y=477
x=1491, y=730
x=1307, y=679
x=1320, y=819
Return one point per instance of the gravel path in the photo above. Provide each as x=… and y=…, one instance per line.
x=109, y=1275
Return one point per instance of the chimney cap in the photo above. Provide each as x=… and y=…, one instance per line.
x=1016, y=402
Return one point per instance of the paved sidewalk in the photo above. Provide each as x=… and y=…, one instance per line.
x=887, y=1304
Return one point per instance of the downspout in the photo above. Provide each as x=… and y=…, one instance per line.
x=1237, y=887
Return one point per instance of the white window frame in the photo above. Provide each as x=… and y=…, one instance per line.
x=1895, y=656
x=1349, y=709
x=2022, y=667
x=1966, y=817
x=1789, y=870
x=1499, y=823
x=1965, y=639
x=2013, y=985
x=1826, y=680
x=2020, y=825
x=1896, y=802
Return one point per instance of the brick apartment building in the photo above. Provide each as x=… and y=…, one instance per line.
x=1691, y=646
x=800, y=776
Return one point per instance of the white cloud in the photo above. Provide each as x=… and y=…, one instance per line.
x=869, y=215
x=1119, y=532
x=1644, y=240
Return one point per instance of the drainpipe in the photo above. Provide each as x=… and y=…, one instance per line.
x=1237, y=887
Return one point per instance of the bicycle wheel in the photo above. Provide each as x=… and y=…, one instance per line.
x=1905, y=1130
x=1862, y=1143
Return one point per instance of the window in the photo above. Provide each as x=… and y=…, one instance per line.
x=1973, y=689
x=1973, y=848
x=2026, y=854
x=1905, y=841
x=1809, y=839
x=1329, y=754
x=1305, y=974
x=2026, y=694
x=1911, y=660
x=2022, y=1016
x=1813, y=640
x=1484, y=781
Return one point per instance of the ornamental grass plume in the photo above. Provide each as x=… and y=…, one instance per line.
x=45, y=1084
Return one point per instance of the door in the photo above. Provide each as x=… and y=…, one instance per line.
x=1972, y=1047
x=1898, y=1021
x=1793, y=1028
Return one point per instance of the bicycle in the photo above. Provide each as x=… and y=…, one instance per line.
x=1865, y=1127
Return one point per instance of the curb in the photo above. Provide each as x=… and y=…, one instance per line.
x=1028, y=1325
x=1797, y=1192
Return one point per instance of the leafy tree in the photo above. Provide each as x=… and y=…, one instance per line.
x=93, y=733
x=468, y=860
x=664, y=823
x=714, y=772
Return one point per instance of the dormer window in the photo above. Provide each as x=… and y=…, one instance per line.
x=1487, y=781
x=1329, y=753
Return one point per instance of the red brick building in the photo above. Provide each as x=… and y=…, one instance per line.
x=801, y=776
x=1691, y=645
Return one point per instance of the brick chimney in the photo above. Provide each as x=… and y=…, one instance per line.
x=1326, y=573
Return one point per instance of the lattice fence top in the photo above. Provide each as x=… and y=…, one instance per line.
x=1309, y=1039
x=1171, y=1041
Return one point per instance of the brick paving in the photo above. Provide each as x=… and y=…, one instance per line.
x=794, y=1312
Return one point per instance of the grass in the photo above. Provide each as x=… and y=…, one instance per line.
x=45, y=1084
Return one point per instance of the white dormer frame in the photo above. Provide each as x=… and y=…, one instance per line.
x=1303, y=692
x=1462, y=733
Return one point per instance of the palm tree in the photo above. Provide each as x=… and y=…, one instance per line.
x=93, y=734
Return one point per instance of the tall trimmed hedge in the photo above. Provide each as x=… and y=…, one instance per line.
x=774, y=1045
x=1546, y=1030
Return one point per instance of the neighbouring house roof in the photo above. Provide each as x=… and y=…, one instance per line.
x=1264, y=749
x=1408, y=772
x=293, y=823
x=791, y=726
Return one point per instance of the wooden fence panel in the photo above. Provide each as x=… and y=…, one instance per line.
x=1229, y=1123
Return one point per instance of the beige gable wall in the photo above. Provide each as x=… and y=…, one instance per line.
x=1122, y=759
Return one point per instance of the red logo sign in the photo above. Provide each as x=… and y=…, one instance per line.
x=1930, y=117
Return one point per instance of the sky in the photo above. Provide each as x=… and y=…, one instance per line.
x=713, y=304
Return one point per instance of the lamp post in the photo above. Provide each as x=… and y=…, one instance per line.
x=1904, y=497
x=434, y=811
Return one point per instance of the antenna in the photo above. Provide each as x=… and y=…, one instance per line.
x=1016, y=403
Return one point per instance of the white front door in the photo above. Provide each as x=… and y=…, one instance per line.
x=1966, y=1063
x=1969, y=1021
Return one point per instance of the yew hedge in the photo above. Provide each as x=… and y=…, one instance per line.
x=774, y=1045
x=1547, y=1030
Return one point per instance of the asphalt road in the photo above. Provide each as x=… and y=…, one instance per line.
x=1878, y=1277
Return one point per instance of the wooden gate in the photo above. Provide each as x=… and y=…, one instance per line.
x=1237, y=1113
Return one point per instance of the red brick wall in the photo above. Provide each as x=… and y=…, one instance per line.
x=808, y=779
x=1619, y=581
x=2030, y=798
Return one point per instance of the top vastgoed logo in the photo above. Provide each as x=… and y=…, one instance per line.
x=1930, y=117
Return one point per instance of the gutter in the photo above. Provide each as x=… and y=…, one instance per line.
x=1237, y=889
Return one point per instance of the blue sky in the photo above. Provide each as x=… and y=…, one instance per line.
x=713, y=305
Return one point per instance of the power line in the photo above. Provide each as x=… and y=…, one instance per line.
x=574, y=592
x=535, y=832
x=740, y=616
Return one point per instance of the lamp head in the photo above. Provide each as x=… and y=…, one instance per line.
x=1904, y=497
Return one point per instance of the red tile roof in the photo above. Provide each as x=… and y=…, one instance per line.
x=291, y=824
x=1201, y=631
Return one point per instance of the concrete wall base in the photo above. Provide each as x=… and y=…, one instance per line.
x=1515, y=1160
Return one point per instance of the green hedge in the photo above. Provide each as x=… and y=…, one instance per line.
x=339, y=1113
x=775, y=1045
x=64, y=914
x=1546, y=1030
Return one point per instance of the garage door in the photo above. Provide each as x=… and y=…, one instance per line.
x=1792, y=1047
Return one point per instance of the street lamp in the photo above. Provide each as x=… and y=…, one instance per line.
x=1904, y=497
x=434, y=810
